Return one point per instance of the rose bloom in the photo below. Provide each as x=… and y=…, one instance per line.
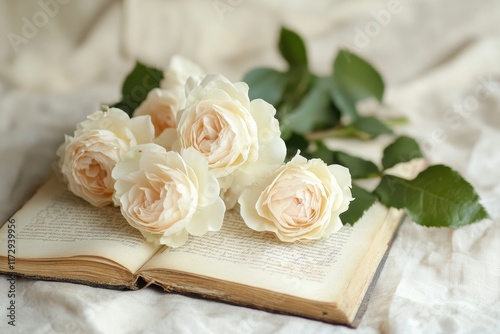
x=302, y=200
x=163, y=103
x=87, y=158
x=167, y=195
x=239, y=138
x=162, y=106
x=180, y=73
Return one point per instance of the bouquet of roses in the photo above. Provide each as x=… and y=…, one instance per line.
x=182, y=147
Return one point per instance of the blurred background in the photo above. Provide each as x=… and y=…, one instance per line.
x=66, y=45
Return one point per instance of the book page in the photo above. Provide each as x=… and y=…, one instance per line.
x=318, y=270
x=56, y=223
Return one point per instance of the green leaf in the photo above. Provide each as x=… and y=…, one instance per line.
x=292, y=48
x=324, y=153
x=438, y=196
x=137, y=85
x=343, y=101
x=403, y=149
x=294, y=143
x=363, y=200
x=266, y=84
x=357, y=76
x=371, y=126
x=299, y=80
x=358, y=167
x=354, y=79
x=314, y=111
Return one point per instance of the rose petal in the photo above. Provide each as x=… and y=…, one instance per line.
x=174, y=240
x=207, y=218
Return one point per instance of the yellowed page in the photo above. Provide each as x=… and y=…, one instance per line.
x=317, y=270
x=55, y=223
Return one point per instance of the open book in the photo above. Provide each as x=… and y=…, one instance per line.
x=58, y=236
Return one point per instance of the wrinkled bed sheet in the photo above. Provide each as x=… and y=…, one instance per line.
x=441, y=64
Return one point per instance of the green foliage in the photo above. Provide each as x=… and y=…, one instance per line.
x=357, y=77
x=307, y=103
x=438, y=196
x=358, y=167
x=371, y=126
x=267, y=84
x=314, y=111
x=363, y=200
x=295, y=143
x=292, y=48
x=137, y=85
x=403, y=149
x=354, y=80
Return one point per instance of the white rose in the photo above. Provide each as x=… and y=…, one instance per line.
x=240, y=139
x=162, y=106
x=87, y=158
x=181, y=72
x=302, y=200
x=163, y=103
x=167, y=195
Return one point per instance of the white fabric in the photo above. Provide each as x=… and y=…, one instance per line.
x=434, y=55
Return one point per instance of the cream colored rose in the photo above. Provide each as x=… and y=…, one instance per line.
x=87, y=158
x=163, y=103
x=240, y=139
x=180, y=73
x=302, y=200
x=162, y=106
x=167, y=195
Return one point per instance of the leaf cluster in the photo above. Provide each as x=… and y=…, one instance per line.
x=311, y=108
